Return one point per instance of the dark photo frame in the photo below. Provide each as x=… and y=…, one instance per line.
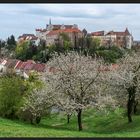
x=24, y=22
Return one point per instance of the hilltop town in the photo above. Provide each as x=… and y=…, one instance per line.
x=60, y=38
x=51, y=34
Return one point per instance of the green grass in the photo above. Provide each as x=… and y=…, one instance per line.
x=97, y=125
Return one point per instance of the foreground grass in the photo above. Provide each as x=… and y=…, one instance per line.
x=99, y=125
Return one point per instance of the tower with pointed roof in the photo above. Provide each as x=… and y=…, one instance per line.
x=128, y=39
x=50, y=21
x=49, y=26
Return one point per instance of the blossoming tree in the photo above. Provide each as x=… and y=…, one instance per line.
x=124, y=82
x=76, y=82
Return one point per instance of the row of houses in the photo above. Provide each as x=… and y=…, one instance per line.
x=52, y=33
x=21, y=68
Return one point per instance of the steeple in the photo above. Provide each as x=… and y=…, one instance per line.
x=50, y=21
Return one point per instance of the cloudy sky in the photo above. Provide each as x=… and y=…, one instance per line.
x=25, y=18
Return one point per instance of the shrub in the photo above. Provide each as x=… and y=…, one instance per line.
x=10, y=95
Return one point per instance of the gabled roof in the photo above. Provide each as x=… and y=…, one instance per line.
x=25, y=66
x=28, y=37
x=126, y=32
x=116, y=33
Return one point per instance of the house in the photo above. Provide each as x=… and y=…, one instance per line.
x=41, y=33
x=74, y=34
x=100, y=35
x=29, y=37
x=121, y=39
x=21, y=68
x=51, y=26
x=46, y=34
x=2, y=65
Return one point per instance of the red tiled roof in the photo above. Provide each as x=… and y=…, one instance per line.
x=22, y=65
x=39, y=67
x=19, y=65
x=29, y=66
x=99, y=33
x=11, y=63
x=55, y=32
x=25, y=66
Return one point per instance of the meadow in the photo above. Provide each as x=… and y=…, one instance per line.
x=55, y=125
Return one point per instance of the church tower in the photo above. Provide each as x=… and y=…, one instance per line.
x=49, y=26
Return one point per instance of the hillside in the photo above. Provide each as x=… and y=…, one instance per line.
x=56, y=126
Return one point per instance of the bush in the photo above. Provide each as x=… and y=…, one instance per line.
x=110, y=55
x=10, y=96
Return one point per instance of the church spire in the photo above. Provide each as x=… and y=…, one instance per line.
x=50, y=21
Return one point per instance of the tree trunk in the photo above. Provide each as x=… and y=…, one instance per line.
x=129, y=110
x=68, y=118
x=130, y=103
x=38, y=119
x=135, y=107
x=79, y=119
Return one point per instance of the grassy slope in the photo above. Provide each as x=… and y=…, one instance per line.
x=94, y=126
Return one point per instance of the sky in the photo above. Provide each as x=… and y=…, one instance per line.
x=18, y=19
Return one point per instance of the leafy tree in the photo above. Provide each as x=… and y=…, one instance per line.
x=110, y=55
x=21, y=50
x=11, y=92
x=96, y=42
x=2, y=43
x=11, y=42
x=33, y=103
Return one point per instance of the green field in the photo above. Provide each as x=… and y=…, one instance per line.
x=56, y=126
